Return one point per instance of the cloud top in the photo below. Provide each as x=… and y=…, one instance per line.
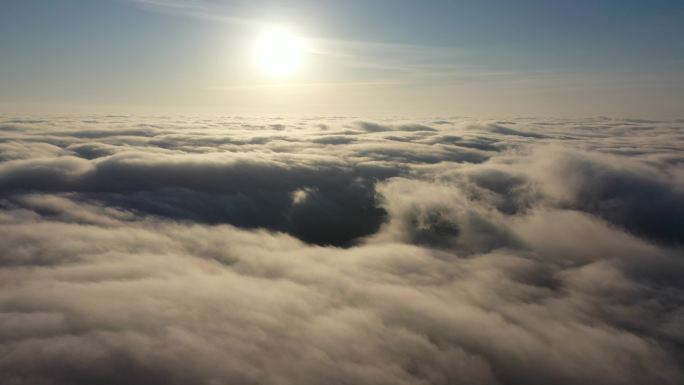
x=305, y=251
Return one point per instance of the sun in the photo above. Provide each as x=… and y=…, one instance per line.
x=279, y=52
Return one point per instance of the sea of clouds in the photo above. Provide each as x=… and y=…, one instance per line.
x=226, y=250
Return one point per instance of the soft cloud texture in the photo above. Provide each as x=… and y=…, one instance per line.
x=168, y=250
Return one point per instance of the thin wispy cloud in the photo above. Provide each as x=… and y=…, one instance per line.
x=306, y=85
x=196, y=9
x=360, y=54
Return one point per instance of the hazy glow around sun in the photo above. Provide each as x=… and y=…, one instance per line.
x=279, y=52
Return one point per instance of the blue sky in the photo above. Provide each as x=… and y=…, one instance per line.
x=486, y=57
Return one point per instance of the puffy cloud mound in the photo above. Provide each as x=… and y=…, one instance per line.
x=224, y=250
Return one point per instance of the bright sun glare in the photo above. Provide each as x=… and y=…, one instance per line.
x=279, y=52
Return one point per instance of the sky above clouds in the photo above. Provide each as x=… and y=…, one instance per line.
x=483, y=58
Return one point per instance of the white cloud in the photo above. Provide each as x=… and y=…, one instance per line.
x=308, y=251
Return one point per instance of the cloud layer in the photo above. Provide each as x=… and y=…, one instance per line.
x=167, y=250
